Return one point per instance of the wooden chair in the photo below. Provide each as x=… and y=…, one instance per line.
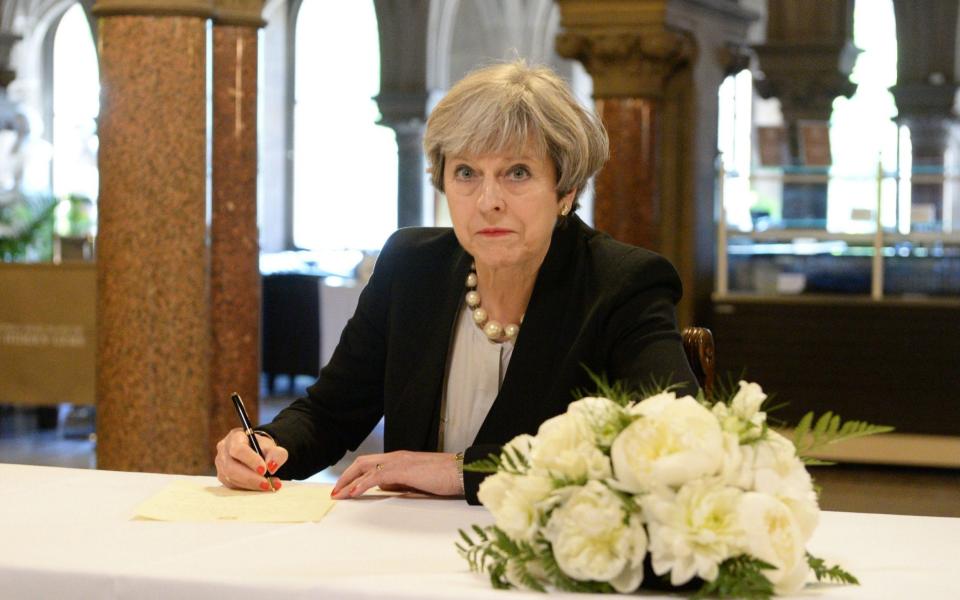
x=698, y=345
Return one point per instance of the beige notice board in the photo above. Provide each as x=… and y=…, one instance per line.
x=47, y=333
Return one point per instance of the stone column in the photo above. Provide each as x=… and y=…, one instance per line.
x=234, y=250
x=656, y=68
x=152, y=298
x=925, y=91
x=806, y=63
x=402, y=29
x=404, y=114
x=630, y=59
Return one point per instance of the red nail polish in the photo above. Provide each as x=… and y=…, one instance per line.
x=261, y=470
x=264, y=486
x=272, y=466
x=276, y=484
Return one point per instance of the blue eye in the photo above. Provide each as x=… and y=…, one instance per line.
x=518, y=173
x=463, y=172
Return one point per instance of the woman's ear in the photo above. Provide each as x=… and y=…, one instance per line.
x=566, y=202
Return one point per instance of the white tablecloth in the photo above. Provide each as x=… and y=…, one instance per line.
x=67, y=533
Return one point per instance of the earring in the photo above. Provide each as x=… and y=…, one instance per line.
x=564, y=210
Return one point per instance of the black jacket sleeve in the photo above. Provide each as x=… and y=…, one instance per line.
x=346, y=402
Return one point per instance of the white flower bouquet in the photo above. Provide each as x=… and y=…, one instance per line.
x=704, y=495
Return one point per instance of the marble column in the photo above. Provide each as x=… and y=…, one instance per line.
x=234, y=250
x=152, y=300
x=656, y=67
x=629, y=70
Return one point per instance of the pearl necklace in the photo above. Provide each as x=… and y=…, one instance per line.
x=494, y=331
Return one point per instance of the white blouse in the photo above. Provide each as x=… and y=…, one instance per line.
x=475, y=371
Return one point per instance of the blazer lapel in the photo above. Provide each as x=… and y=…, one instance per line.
x=538, y=351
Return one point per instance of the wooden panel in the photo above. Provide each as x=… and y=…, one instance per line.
x=888, y=363
x=47, y=333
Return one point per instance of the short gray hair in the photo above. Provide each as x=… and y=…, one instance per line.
x=502, y=107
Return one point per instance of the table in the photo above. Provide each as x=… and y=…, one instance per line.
x=67, y=533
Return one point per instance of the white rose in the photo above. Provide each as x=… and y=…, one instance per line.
x=671, y=445
x=605, y=416
x=591, y=541
x=514, y=501
x=772, y=534
x=693, y=530
x=564, y=447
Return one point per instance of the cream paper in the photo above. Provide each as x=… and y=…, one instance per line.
x=185, y=500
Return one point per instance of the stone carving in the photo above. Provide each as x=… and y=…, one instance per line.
x=629, y=64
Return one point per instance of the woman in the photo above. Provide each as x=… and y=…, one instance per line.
x=464, y=339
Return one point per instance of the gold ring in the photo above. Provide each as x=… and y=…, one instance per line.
x=379, y=467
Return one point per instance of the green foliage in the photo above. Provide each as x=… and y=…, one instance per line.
x=492, y=551
x=510, y=460
x=829, y=429
x=828, y=573
x=739, y=577
x=25, y=224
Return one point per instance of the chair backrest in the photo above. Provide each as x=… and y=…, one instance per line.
x=698, y=345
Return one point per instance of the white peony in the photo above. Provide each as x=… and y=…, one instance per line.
x=515, y=502
x=693, y=530
x=652, y=406
x=743, y=416
x=771, y=466
x=605, y=416
x=675, y=441
x=565, y=448
x=773, y=535
x=592, y=540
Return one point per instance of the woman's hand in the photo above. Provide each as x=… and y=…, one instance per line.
x=431, y=472
x=241, y=468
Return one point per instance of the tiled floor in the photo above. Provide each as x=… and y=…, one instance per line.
x=857, y=488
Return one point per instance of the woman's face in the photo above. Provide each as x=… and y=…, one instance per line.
x=504, y=206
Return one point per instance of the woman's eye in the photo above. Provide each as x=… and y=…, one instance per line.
x=518, y=173
x=463, y=172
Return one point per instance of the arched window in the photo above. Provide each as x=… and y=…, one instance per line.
x=345, y=166
x=76, y=104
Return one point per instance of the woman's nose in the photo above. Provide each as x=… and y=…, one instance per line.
x=491, y=195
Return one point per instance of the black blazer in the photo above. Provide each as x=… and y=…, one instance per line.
x=597, y=304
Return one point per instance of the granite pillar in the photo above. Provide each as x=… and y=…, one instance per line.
x=152, y=380
x=629, y=71
x=627, y=204
x=656, y=67
x=234, y=250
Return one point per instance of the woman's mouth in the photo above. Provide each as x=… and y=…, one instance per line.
x=493, y=232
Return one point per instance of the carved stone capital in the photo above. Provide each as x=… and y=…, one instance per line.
x=806, y=78
x=632, y=64
x=242, y=13
x=156, y=8
x=398, y=109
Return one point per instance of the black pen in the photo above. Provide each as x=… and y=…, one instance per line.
x=245, y=423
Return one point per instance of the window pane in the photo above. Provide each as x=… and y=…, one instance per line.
x=345, y=166
x=76, y=104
